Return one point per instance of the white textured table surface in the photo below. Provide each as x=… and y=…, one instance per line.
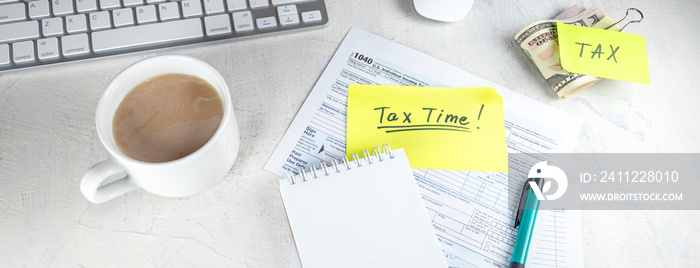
x=48, y=139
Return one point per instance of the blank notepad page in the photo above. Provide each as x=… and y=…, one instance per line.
x=368, y=216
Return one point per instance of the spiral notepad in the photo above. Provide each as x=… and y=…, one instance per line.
x=366, y=212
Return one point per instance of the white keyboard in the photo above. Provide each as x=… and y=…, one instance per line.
x=41, y=32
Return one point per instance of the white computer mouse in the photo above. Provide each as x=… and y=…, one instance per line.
x=443, y=10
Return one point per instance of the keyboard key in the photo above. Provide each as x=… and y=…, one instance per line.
x=38, y=9
x=259, y=3
x=99, y=20
x=4, y=54
x=235, y=5
x=75, y=45
x=52, y=26
x=148, y=35
x=109, y=4
x=146, y=14
x=311, y=16
x=131, y=3
x=213, y=6
x=47, y=49
x=62, y=7
x=289, y=19
x=168, y=11
x=19, y=31
x=23, y=52
x=123, y=17
x=286, y=10
x=284, y=2
x=12, y=12
x=242, y=21
x=86, y=5
x=154, y=1
x=267, y=22
x=217, y=25
x=191, y=8
x=76, y=23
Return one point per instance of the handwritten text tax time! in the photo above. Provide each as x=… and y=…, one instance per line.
x=434, y=120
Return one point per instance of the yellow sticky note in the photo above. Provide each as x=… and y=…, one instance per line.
x=603, y=53
x=439, y=128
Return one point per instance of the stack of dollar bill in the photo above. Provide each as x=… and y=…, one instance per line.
x=539, y=42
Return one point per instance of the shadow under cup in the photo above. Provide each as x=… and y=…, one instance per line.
x=202, y=169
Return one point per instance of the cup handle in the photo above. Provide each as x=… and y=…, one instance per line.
x=90, y=184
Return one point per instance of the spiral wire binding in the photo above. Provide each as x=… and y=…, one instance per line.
x=368, y=156
x=313, y=171
x=325, y=169
x=387, y=149
x=356, y=159
x=302, y=174
x=335, y=164
x=379, y=155
x=290, y=177
x=346, y=163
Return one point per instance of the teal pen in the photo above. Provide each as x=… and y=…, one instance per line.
x=527, y=214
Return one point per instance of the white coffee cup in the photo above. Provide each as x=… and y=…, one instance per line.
x=191, y=174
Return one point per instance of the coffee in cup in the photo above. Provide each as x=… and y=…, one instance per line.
x=168, y=123
x=166, y=117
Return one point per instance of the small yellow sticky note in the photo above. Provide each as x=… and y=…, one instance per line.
x=603, y=53
x=439, y=128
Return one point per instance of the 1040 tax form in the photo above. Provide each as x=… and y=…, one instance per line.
x=471, y=219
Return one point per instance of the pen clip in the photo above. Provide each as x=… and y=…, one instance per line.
x=523, y=198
